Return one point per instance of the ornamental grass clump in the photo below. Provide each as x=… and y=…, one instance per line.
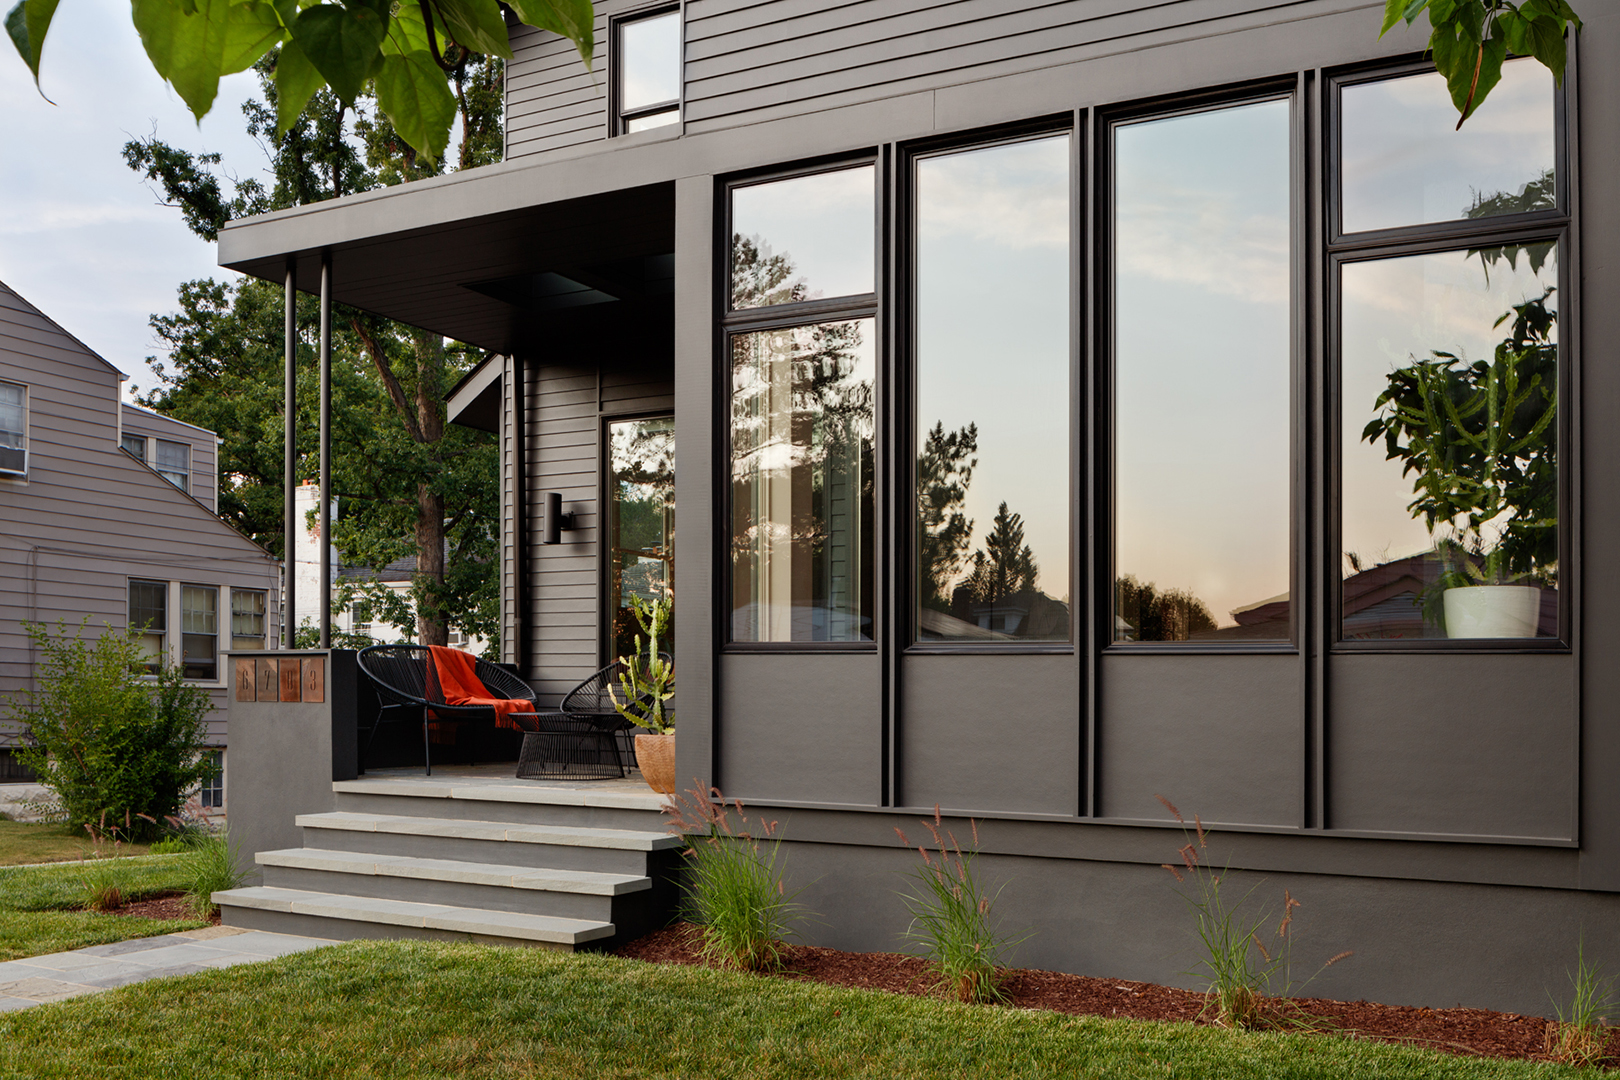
x=951, y=920
x=209, y=866
x=1239, y=958
x=733, y=884
x=1580, y=1035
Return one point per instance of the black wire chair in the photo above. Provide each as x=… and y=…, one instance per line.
x=591, y=700
x=406, y=678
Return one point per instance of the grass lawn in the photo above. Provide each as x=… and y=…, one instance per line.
x=28, y=843
x=37, y=905
x=412, y=1009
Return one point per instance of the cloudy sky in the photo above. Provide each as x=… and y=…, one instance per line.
x=82, y=237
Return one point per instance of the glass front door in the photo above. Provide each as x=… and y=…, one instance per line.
x=641, y=524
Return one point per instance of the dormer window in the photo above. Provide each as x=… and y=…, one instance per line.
x=647, y=70
x=135, y=446
x=13, y=429
x=174, y=463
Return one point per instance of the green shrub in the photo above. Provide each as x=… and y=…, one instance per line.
x=951, y=920
x=210, y=866
x=1580, y=1035
x=733, y=885
x=116, y=745
x=170, y=845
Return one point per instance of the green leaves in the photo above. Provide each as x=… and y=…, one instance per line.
x=411, y=90
x=342, y=41
x=573, y=19
x=1471, y=39
x=27, y=23
x=185, y=40
x=296, y=82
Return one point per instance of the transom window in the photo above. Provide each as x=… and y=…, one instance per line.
x=648, y=71
x=13, y=429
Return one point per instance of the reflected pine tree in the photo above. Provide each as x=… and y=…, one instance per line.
x=1151, y=615
x=1005, y=566
x=760, y=277
x=944, y=471
x=643, y=463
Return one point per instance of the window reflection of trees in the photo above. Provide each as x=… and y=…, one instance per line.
x=642, y=556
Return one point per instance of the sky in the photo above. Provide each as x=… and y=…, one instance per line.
x=83, y=238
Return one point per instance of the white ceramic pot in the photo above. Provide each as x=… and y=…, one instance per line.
x=1493, y=611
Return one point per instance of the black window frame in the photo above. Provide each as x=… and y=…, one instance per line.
x=1291, y=88
x=620, y=117
x=1560, y=225
x=605, y=613
x=1074, y=125
x=731, y=322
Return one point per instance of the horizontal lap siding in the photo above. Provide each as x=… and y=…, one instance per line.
x=563, y=442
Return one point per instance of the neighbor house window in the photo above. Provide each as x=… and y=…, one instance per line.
x=136, y=445
x=1202, y=355
x=802, y=408
x=149, y=618
x=199, y=632
x=212, y=795
x=1448, y=362
x=247, y=619
x=13, y=429
x=992, y=369
x=648, y=71
x=174, y=463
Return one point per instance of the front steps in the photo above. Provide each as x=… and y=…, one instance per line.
x=485, y=858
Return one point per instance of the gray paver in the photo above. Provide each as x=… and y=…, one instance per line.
x=119, y=948
x=264, y=945
x=147, y=973
x=12, y=970
x=11, y=1004
x=187, y=953
x=66, y=962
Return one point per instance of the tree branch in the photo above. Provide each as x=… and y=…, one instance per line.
x=385, y=371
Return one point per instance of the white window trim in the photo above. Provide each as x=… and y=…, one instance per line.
x=174, y=620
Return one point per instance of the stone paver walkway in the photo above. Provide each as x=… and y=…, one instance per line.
x=59, y=976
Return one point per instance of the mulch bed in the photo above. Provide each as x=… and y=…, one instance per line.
x=1459, y=1031
x=164, y=906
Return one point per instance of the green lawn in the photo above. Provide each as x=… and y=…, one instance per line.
x=411, y=1009
x=25, y=843
x=37, y=905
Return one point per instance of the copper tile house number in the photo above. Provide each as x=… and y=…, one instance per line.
x=269, y=680
x=247, y=680
x=292, y=679
x=315, y=678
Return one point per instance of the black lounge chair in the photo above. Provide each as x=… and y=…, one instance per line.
x=590, y=700
x=406, y=678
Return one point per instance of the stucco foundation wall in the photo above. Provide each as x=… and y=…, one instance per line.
x=1416, y=942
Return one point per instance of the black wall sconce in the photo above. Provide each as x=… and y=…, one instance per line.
x=556, y=521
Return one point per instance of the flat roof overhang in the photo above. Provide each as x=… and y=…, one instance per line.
x=451, y=255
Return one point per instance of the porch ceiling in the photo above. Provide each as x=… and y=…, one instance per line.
x=498, y=281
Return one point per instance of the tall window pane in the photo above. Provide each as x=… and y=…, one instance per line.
x=993, y=486
x=806, y=238
x=174, y=463
x=1405, y=162
x=149, y=616
x=649, y=67
x=641, y=526
x=199, y=631
x=1201, y=376
x=801, y=483
x=13, y=428
x=1449, y=445
x=247, y=619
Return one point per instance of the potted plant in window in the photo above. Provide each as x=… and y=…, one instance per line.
x=1481, y=438
x=648, y=683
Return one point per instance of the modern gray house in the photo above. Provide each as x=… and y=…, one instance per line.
x=107, y=513
x=1067, y=405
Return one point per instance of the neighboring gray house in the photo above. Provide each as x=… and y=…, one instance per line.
x=107, y=513
x=1146, y=267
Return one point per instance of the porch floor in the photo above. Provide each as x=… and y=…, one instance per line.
x=495, y=781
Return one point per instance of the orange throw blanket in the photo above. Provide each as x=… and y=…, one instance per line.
x=461, y=685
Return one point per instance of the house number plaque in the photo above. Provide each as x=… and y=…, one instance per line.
x=247, y=680
x=269, y=680
x=292, y=679
x=315, y=678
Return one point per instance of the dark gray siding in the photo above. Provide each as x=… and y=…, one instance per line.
x=89, y=517
x=567, y=403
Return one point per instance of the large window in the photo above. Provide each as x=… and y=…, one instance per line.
x=247, y=619
x=149, y=617
x=174, y=463
x=802, y=416
x=992, y=369
x=641, y=524
x=13, y=429
x=647, y=67
x=1448, y=363
x=1201, y=375
x=199, y=632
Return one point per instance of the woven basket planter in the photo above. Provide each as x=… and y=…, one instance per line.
x=655, y=757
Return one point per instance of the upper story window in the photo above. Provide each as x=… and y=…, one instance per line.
x=135, y=445
x=248, y=619
x=13, y=429
x=647, y=71
x=149, y=617
x=802, y=408
x=174, y=463
x=1449, y=361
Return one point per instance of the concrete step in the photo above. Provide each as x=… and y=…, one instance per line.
x=568, y=894
x=515, y=801
x=560, y=847
x=318, y=914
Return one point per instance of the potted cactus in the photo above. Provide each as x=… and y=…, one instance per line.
x=647, y=683
x=1482, y=439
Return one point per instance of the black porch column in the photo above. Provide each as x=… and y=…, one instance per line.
x=326, y=451
x=289, y=479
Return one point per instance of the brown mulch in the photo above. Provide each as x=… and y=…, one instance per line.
x=1459, y=1031
x=164, y=906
